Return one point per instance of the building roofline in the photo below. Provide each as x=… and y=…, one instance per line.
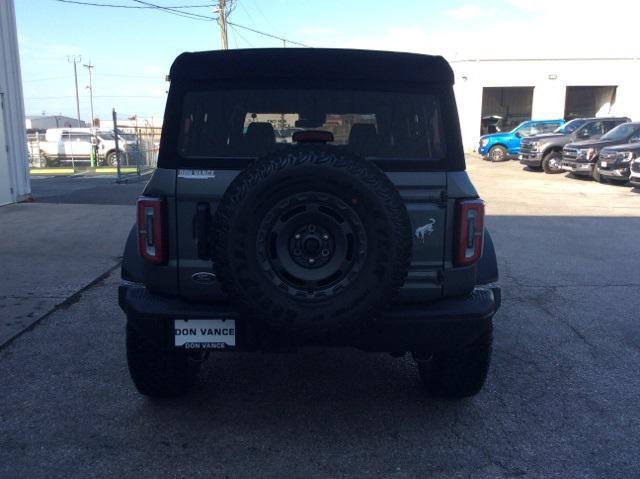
x=565, y=59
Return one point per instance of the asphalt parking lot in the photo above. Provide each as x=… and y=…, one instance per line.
x=561, y=399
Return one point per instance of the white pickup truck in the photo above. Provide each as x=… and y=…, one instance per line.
x=75, y=145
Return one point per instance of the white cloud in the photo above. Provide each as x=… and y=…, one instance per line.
x=466, y=12
x=527, y=29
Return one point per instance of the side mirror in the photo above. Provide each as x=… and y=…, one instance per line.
x=518, y=134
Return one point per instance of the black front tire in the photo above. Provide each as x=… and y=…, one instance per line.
x=156, y=372
x=497, y=154
x=458, y=373
x=551, y=163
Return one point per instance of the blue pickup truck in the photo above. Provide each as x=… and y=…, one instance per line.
x=506, y=144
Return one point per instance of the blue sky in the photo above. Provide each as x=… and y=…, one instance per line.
x=132, y=50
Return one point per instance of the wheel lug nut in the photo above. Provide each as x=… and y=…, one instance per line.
x=325, y=252
x=297, y=236
x=311, y=260
x=325, y=236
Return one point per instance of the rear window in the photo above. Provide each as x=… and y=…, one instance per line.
x=251, y=123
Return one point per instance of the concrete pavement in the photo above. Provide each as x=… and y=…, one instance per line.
x=50, y=251
x=560, y=402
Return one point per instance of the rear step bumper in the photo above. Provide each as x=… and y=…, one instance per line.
x=439, y=325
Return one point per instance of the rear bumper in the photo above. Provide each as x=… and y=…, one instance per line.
x=438, y=325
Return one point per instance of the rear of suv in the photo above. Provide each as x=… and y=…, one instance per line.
x=310, y=197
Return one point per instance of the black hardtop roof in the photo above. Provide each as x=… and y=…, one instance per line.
x=311, y=63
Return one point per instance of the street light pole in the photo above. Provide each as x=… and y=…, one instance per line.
x=90, y=67
x=76, y=59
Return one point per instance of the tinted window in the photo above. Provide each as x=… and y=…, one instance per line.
x=611, y=124
x=547, y=127
x=570, y=127
x=591, y=129
x=249, y=123
x=621, y=132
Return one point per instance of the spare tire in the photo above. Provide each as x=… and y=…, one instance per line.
x=311, y=239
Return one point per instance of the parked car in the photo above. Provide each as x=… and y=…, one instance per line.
x=634, y=176
x=372, y=238
x=581, y=157
x=614, y=162
x=503, y=145
x=545, y=151
x=76, y=145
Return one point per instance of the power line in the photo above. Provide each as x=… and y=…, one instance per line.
x=282, y=39
x=246, y=11
x=193, y=16
x=236, y=32
x=170, y=10
x=110, y=5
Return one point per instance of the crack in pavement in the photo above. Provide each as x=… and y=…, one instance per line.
x=73, y=298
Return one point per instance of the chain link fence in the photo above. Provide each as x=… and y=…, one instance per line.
x=82, y=148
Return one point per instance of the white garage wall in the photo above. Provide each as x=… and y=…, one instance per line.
x=550, y=78
x=17, y=166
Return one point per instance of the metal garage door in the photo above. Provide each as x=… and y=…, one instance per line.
x=5, y=185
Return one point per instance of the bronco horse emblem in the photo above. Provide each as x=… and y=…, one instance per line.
x=425, y=230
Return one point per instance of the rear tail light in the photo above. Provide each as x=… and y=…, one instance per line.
x=151, y=230
x=470, y=227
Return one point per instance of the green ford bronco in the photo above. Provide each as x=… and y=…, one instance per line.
x=310, y=197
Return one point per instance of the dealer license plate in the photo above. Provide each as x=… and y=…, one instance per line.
x=521, y=157
x=204, y=333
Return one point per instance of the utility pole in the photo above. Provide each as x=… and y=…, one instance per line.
x=89, y=67
x=76, y=59
x=222, y=21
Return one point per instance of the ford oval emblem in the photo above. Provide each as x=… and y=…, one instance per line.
x=203, y=277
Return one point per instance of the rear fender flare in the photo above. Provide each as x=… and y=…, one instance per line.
x=132, y=263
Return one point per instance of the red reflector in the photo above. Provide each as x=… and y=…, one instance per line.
x=313, y=136
x=151, y=230
x=470, y=228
